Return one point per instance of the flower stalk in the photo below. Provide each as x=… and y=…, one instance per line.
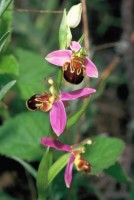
x=74, y=66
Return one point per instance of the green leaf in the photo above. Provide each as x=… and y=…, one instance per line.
x=3, y=40
x=5, y=89
x=20, y=136
x=117, y=172
x=9, y=65
x=103, y=153
x=44, y=179
x=3, y=6
x=63, y=32
x=42, y=176
x=76, y=115
x=57, y=167
x=33, y=70
x=5, y=22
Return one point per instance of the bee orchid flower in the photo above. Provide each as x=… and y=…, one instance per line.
x=53, y=101
x=75, y=157
x=74, y=62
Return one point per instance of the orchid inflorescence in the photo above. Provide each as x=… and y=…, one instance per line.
x=75, y=65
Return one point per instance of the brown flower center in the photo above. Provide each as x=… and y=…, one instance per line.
x=80, y=163
x=74, y=70
x=41, y=102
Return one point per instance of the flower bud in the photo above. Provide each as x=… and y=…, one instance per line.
x=74, y=15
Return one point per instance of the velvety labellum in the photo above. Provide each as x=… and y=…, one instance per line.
x=74, y=70
x=39, y=102
x=32, y=102
x=83, y=165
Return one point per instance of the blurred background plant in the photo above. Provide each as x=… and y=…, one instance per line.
x=28, y=32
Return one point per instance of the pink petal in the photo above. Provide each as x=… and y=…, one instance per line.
x=50, y=142
x=59, y=57
x=91, y=69
x=75, y=46
x=77, y=94
x=58, y=117
x=68, y=171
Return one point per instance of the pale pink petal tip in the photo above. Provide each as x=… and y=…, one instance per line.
x=59, y=57
x=75, y=46
x=58, y=117
x=50, y=142
x=91, y=69
x=68, y=171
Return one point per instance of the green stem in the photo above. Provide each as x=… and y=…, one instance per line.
x=60, y=78
x=42, y=175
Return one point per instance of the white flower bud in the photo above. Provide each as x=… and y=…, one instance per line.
x=89, y=141
x=74, y=15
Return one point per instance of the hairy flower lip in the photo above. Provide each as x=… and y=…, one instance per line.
x=39, y=102
x=60, y=57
